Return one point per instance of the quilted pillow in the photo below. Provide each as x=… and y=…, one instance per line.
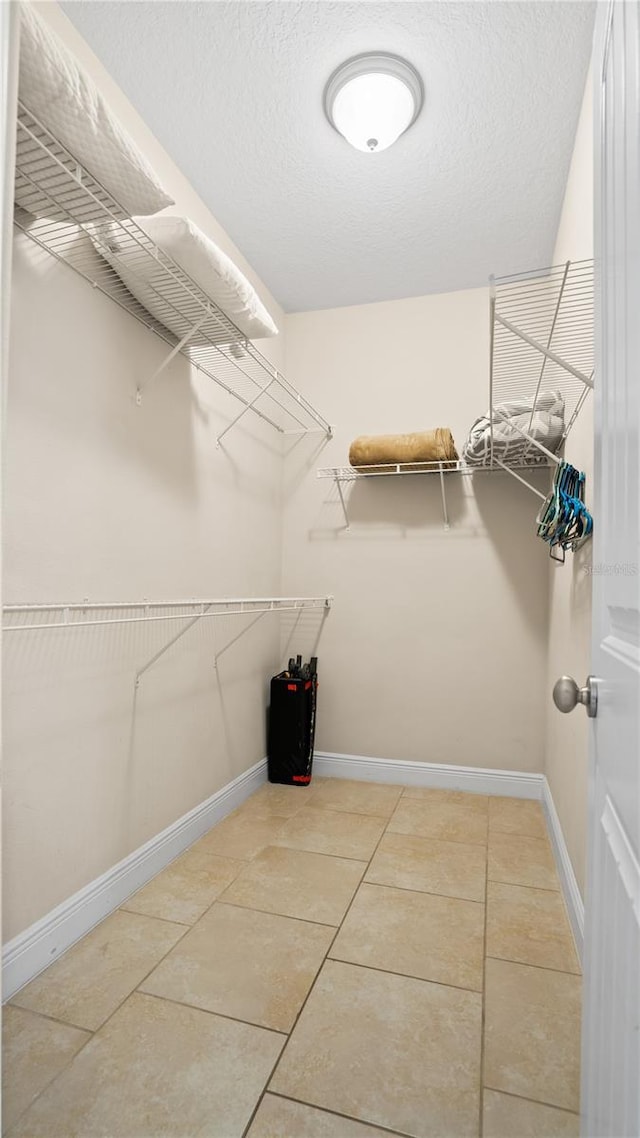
x=57, y=92
x=199, y=257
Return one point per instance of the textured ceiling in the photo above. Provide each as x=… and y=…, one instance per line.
x=234, y=93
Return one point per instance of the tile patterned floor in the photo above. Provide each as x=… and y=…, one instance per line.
x=347, y=960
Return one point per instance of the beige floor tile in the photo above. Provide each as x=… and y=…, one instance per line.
x=388, y=1050
x=276, y=800
x=295, y=883
x=516, y=860
x=418, y=934
x=158, y=1070
x=506, y=1117
x=532, y=1040
x=517, y=816
x=251, y=966
x=376, y=798
x=242, y=834
x=430, y=866
x=186, y=888
x=281, y=1118
x=332, y=832
x=529, y=926
x=88, y=983
x=34, y=1051
x=444, y=814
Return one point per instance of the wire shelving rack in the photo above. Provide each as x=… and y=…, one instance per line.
x=340, y=474
x=60, y=204
x=105, y=614
x=542, y=339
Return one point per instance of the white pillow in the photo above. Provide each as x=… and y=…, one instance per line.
x=199, y=257
x=55, y=89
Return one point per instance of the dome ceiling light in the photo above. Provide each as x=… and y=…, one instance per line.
x=372, y=99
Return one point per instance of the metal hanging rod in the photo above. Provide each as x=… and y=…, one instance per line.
x=139, y=612
x=60, y=204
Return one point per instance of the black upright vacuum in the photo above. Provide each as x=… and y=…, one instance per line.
x=292, y=723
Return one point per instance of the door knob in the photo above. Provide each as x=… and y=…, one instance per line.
x=566, y=694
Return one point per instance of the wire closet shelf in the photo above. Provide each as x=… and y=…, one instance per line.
x=87, y=614
x=541, y=340
x=84, y=614
x=340, y=474
x=61, y=207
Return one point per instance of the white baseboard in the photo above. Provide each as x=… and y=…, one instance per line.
x=35, y=948
x=570, y=887
x=474, y=780
x=28, y=954
x=443, y=776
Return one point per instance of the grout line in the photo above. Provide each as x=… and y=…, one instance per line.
x=426, y=892
x=540, y=967
x=339, y=1114
x=58, y=1073
x=341, y=813
x=386, y=818
x=438, y=838
x=405, y=975
x=299, y=849
x=284, y=1035
x=274, y=913
x=212, y=1012
x=516, y=836
x=322, y=853
x=153, y=917
x=46, y=1015
x=94, y=1031
x=312, y=987
x=521, y=885
x=535, y=1101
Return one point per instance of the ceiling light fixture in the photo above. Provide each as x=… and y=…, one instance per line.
x=372, y=99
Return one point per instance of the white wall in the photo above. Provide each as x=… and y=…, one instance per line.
x=435, y=649
x=109, y=501
x=570, y=584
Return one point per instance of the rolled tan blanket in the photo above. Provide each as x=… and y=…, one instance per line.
x=421, y=446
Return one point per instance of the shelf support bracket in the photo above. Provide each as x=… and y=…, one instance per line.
x=343, y=503
x=262, y=391
x=174, y=352
x=514, y=474
x=165, y=648
x=586, y=379
x=443, y=492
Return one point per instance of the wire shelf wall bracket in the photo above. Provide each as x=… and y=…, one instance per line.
x=340, y=474
x=345, y=474
x=541, y=337
x=69, y=215
x=85, y=614
x=168, y=358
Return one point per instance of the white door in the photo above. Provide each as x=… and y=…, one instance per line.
x=611, y=1029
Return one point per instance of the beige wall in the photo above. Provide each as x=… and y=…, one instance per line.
x=435, y=649
x=570, y=584
x=110, y=501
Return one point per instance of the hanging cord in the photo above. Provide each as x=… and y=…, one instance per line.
x=564, y=521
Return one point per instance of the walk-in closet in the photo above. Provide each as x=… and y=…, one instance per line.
x=320, y=552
